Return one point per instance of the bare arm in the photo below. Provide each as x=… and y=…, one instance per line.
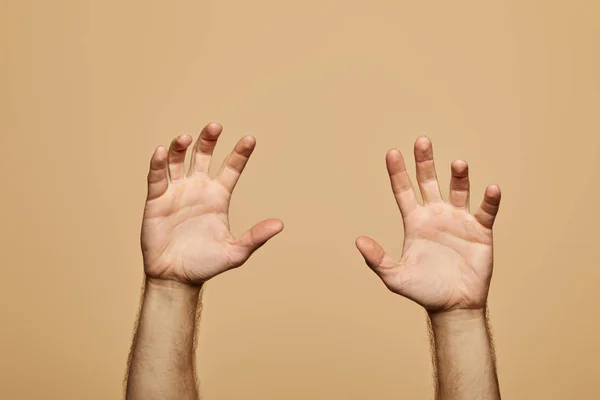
x=185, y=242
x=162, y=362
x=446, y=267
x=463, y=355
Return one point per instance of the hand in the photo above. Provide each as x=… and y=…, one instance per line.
x=185, y=231
x=447, y=256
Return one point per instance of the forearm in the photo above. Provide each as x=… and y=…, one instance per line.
x=464, y=357
x=162, y=355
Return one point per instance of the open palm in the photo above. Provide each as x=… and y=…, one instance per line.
x=447, y=256
x=185, y=230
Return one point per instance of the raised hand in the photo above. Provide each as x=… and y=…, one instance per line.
x=447, y=256
x=185, y=230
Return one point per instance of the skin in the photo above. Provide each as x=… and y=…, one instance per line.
x=185, y=240
x=446, y=267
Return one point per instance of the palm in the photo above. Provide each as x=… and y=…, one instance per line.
x=185, y=230
x=447, y=255
x=447, y=258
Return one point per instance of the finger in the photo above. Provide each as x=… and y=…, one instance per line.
x=375, y=257
x=157, y=175
x=426, y=176
x=459, y=184
x=258, y=235
x=236, y=161
x=177, y=151
x=204, y=147
x=400, y=181
x=489, y=206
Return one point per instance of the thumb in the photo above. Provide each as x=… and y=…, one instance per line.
x=259, y=234
x=375, y=257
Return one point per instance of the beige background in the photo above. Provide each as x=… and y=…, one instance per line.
x=89, y=88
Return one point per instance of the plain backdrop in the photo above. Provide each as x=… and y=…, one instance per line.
x=88, y=89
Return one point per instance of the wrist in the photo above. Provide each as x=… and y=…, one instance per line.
x=458, y=319
x=172, y=289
